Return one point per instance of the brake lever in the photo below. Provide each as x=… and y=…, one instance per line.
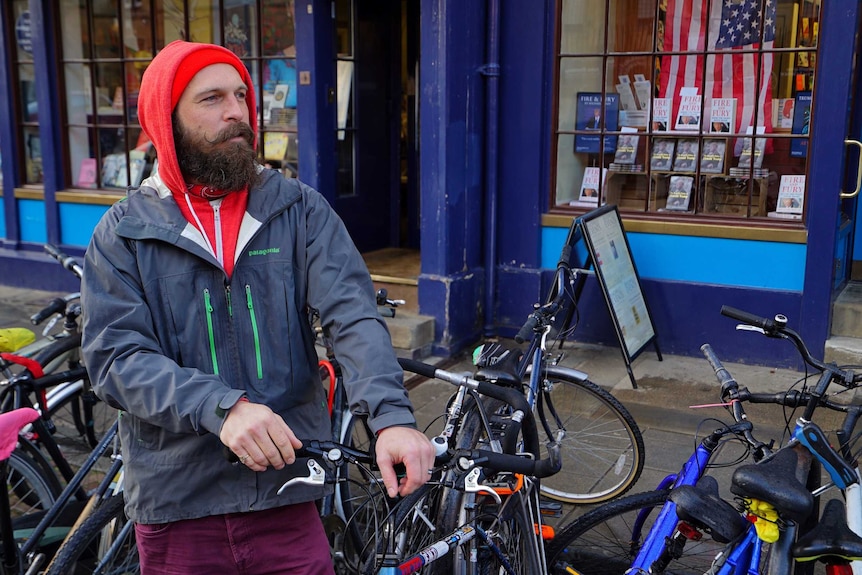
x=472, y=485
x=746, y=327
x=316, y=476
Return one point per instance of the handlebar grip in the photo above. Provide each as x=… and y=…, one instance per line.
x=65, y=260
x=57, y=305
x=721, y=374
x=418, y=367
x=527, y=328
x=517, y=464
x=763, y=323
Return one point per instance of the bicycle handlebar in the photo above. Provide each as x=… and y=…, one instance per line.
x=65, y=260
x=730, y=391
x=463, y=458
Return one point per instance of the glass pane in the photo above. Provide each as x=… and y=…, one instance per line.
x=33, y=156
x=576, y=75
x=345, y=184
x=21, y=15
x=582, y=27
x=279, y=28
x=75, y=28
x=27, y=87
x=79, y=97
x=109, y=88
x=344, y=28
x=106, y=30
x=240, y=30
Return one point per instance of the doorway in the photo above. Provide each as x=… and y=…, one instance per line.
x=377, y=140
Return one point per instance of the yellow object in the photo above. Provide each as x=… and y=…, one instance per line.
x=14, y=338
x=765, y=519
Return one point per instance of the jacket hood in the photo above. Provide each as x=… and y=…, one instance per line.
x=180, y=61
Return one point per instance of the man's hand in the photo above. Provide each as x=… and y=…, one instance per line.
x=258, y=436
x=410, y=447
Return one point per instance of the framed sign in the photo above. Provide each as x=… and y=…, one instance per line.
x=608, y=250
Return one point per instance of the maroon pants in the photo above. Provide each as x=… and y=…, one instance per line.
x=275, y=541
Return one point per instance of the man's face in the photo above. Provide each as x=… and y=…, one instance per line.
x=213, y=137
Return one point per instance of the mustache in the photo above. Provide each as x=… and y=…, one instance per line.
x=239, y=130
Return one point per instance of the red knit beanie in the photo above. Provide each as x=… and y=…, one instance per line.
x=163, y=83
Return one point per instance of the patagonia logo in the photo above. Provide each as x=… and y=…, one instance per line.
x=264, y=252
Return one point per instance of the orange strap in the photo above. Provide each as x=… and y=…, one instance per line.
x=30, y=364
x=325, y=363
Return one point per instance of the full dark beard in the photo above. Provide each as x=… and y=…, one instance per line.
x=221, y=165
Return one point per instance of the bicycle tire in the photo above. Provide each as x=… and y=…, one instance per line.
x=601, y=541
x=509, y=526
x=105, y=533
x=602, y=448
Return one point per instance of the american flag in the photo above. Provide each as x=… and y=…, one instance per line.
x=739, y=27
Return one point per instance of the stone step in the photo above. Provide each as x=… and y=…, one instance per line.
x=843, y=350
x=847, y=312
x=412, y=334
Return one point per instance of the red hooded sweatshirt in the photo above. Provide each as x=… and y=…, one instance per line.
x=162, y=84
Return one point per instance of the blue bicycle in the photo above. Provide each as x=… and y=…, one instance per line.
x=685, y=527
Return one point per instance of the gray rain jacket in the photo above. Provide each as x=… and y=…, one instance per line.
x=169, y=339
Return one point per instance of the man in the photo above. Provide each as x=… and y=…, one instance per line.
x=197, y=288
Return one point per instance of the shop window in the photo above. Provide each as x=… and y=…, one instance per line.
x=28, y=124
x=107, y=45
x=685, y=108
x=346, y=131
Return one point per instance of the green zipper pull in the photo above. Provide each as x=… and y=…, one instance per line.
x=210, y=331
x=254, y=331
x=229, y=304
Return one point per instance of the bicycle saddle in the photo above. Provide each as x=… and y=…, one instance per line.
x=701, y=506
x=497, y=363
x=830, y=537
x=774, y=481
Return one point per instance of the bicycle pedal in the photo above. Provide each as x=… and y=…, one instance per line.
x=551, y=508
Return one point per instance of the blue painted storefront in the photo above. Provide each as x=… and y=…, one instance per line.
x=486, y=103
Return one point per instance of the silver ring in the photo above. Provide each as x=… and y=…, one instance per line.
x=243, y=459
x=430, y=472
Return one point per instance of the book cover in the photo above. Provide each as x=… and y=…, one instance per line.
x=784, y=113
x=275, y=145
x=801, y=121
x=660, y=114
x=745, y=159
x=627, y=146
x=114, y=171
x=643, y=91
x=712, y=158
x=791, y=193
x=679, y=193
x=685, y=159
x=627, y=98
x=87, y=173
x=688, y=116
x=279, y=96
x=591, y=117
x=661, y=159
x=137, y=164
x=590, y=185
x=722, y=115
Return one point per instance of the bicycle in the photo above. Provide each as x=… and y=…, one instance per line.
x=616, y=537
x=24, y=544
x=601, y=444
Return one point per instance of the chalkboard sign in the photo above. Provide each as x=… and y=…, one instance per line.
x=609, y=252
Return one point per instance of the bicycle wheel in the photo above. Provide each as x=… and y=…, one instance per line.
x=30, y=488
x=510, y=528
x=601, y=445
x=602, y=541
x=103, y=543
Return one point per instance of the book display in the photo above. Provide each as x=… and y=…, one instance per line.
x=661, y=159
x=660, y=114
x=626, y=155
x=679, y=193
x=590, y=185
x=685, y=159
x=712, y=158
x=745, y=157
x=592, y=116
x=722, y=115
x=801, y=119
x=688, y=116
x=791, y=197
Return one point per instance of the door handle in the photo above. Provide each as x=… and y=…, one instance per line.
x=854, y=193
